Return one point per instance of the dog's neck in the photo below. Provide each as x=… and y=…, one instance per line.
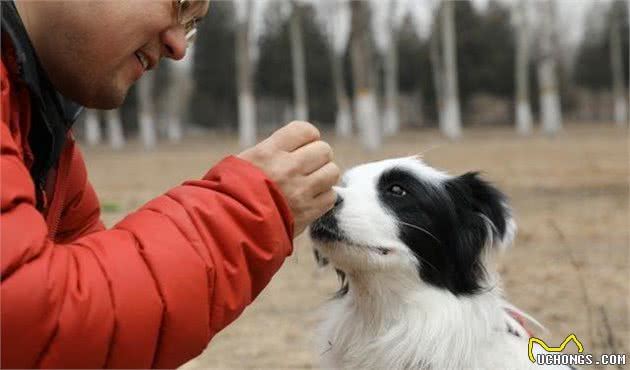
x=379, y=295
x=403, y=311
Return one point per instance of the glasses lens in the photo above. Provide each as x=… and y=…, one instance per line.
x=190, y=9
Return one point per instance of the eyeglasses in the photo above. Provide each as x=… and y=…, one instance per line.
x=187, y=12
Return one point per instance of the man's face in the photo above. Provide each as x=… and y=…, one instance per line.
x=93, y=51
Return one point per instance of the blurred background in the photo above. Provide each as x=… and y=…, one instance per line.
x=534, y=94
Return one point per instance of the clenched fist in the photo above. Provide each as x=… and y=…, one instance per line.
x=301, y=164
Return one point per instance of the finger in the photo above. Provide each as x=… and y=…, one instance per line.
x=312, y=156
x=294, y=135
x=324, y=178
x=325, y=202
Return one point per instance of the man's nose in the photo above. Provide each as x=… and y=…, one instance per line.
x=174, y=42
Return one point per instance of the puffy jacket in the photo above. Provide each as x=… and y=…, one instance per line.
x=149, y=292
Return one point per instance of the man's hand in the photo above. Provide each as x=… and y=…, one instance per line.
x=301, y=164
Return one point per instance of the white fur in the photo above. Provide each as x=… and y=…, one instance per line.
x=390, y=318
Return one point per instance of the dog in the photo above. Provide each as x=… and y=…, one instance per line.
x=414, y=250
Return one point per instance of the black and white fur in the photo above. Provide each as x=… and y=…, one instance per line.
x=413, y=247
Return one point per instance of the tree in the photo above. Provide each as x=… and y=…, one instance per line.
x=245, y=73
x=334, y=16
x=363, y=76
x=146, y=110
x=616, y=61
x=180, y=89
x=595, y=66
x=523, y=108
x=438, y=73
x=114, y=129
x=551, y=114
x=451, y=124
x=215, y=100
x=297, y=56
x=388, y=20
x=92, y=127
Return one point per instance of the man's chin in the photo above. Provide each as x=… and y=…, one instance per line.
x=102, y=101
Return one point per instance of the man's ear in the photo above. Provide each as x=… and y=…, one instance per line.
x=480, y=204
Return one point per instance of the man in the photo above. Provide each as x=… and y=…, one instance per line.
x=155, y=288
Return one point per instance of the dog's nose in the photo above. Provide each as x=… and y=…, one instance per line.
x=338, y=201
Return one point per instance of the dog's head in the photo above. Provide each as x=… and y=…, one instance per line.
x=400, y=214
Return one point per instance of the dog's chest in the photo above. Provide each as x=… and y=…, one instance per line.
x=351, y=339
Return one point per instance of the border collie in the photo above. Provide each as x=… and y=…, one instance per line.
x=414, y=247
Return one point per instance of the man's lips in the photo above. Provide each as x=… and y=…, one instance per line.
x=146, y=61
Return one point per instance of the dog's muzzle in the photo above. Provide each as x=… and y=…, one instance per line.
x=326, y=229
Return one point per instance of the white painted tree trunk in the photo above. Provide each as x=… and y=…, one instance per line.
x=146, y=111
x=551, y=112
x=524, y=119
x=451, y=125
x=616, y=60
x=244, y=79
x=114, y=129
x=343, y=119
x=93, y=134
x=247, y=119
x=436, y=66
x=391, y=117
x=298, y=64
x=180, y=90
x=366, y=108
x=367, y=120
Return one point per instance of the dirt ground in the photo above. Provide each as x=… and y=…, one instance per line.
x=568, y=267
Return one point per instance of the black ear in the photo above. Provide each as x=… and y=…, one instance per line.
x=482, y=220
x=482, y=205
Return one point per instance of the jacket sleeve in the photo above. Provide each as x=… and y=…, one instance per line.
x=151, y=291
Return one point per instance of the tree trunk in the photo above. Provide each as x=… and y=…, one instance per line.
x=180, y=89
x=363, y=74
x=245, y=84
x=391, y=117
x=146, y=110
x=451, y=126
x=551, y=113
x=436, y=65
x=114, y=129
x=523, y=109
x=343, y=120
x=299, y=66
x=616, y=59
x=92, y=127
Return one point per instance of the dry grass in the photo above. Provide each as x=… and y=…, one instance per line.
x=569, y=266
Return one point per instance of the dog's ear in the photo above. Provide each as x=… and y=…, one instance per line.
x=484, y=208
x=483, y=224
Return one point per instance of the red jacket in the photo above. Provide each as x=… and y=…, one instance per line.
x=149, y=292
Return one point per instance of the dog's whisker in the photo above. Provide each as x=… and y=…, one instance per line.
x=421, y=229
x=424, y=261
x=423, y=152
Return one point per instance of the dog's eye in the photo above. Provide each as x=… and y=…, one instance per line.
x=397, y=190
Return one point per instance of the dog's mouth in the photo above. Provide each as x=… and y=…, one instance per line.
x=325, y=230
